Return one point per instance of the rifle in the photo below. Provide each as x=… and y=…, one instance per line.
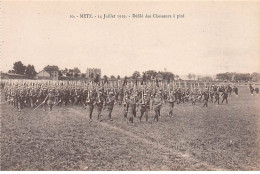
x=41, y=103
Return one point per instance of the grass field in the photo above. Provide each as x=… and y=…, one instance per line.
x=223, y=137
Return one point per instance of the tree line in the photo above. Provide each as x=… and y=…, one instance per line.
x=233, y=76
x=29, y=72
x=20, y=68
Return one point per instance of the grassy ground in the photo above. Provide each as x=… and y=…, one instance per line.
x=223, y=137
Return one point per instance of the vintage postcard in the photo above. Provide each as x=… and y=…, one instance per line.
x=130, y=85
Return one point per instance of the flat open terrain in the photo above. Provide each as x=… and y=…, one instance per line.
x=223, y=137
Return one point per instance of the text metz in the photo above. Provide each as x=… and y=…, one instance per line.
x=86, y=16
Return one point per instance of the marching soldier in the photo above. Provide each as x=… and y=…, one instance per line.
x=145, y=107
x=229, y=90
x=256, y=90
x=132, y=109
x=251, y=89
x=235, y=89
x=156, y=105
x=32, y=96
x=126, y=106
x=225, y=96
x=205, y=97
x=100, y=101
x=110, y=101
x=66, y=96
x=27, y=97
x=193, y=97
x=216, y=97
x=211, y=93
x=50, y=99
x=90, y=104
x=171, y=100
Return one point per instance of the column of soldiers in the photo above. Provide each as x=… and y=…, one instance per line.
x=132, y=97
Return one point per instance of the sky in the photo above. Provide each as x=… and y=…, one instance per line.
x=213, y=37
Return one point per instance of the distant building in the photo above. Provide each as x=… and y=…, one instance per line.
x=49, y=72
x=93, y=72
x=53, y=71
x=12, y=76
x=43, y=75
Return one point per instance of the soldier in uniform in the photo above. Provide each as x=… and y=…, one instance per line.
x=100, y=101
x=171, y=100
x=110, y=101
x=229, y=90
x=256, y=90
x=179, y=94
x=19, y=99
x=156, y=105
x=216, y=97
x=193, y=97
x=126, y=106
x=131, y=109
x=66, y=96
x=50, y=98
x=77, y=96
x=121, y=96
x=205, y=97
x=22, y=98
x=235, y=89
x=90, y=104
x=145, y=107
x=251, y=89
x=211, y=93
x=225, y=96
x=27, y=97
x=32, y=96
x=43, y=97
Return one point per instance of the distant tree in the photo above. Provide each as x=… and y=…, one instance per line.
x=255, y=77
x=150, y=74
x=19, y=68
x=118, y=77
x=69, y=74
x=143, y=78
x=159, y=76
x=76, y=75
x=30, y=71
x=60, y=73
x=83, y=75
x=242, y=77
x=167, y=76
x=11, y=71
x=223, y=76
x=125, y=81
x=189, y=76
x=136, y=75
x=76, y=70
x=177, y=77
x=105, y=79
x=112, y=77
x=91, y=75
x=206, y=78
x=194, y=76
x=230, y=76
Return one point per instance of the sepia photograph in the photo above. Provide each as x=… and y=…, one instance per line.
x=130, y=85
